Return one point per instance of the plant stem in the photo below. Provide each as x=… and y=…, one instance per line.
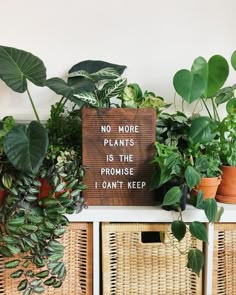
x=206, y=108
x=33, y=106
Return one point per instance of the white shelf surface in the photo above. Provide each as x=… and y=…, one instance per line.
x=147, y=214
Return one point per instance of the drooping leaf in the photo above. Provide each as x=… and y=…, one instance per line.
x=198, y=230
x=200, y=201
x=172, y=197
x=195, y=260
x=26, y=147
x=218, y=71
x=17, y=66
x=192, y=177
x=188, y=85
x=210, y=208
x=178, y=229
x=220, y=211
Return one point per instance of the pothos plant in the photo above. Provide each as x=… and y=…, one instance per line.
x=29, y=226
x=180, y=164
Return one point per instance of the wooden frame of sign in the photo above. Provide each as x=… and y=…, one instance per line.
x=118, y=145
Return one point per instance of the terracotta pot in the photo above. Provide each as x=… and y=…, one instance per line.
x=209, y=187
x=226, y=192
x=2, y=195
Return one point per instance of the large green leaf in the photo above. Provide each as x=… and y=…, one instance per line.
x=188, y=85
x=17, y=66
x=195, y=260
x=113, y=89
x=26, y=146
x=60, y=87
x=218, y=71
x=200, y=67
x=202, y=130
x=198, y=230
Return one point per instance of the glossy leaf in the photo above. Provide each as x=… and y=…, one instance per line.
x=200, y=67
x=17, y=274
x=210, y=208
x=198, y=230
x=172, y=197
x=22, y=285
x=192, y=177
x=17, y=66
x=26, y=147
x=195, y=260
x=188, y=85
x=178, y=229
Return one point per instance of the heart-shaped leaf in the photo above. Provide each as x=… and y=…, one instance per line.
x=172, y=197
x=188, y=85
x=26, y=146
x=17, y=66
x=210, y=208
x=178, y=229
x=218, y=71
x=195, y=260
x=192, y=177
x=198, y=230
x=200, y=67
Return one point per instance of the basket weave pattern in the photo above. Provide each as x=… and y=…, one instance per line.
x=133, y=267
x=78, y=259
x=224, y=262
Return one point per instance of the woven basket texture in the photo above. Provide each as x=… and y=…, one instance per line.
x=132, y=267
x=224, y=261
x=78, y=258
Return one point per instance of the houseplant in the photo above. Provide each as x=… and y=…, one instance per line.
x=180, y=165
x=30, y=227
x=205, y=83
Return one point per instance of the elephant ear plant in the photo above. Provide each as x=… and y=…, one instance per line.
x=30, y=225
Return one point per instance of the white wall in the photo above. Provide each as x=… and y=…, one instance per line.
x=153, y=38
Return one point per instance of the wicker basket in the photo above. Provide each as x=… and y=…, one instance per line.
x=224, y=262
x=131, y=266
x=78, y=259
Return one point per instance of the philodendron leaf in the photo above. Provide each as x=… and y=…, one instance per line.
x=188, y=85
x=233, y=60
x=200, y=200
x=195, y=260
x=88, y=98
x=210, y=208
x=172, y=197
x=178, y=229
x=192, y=177
x=17, y=66
x=202, y=130
x=218, y=71
x=198, y=230
x=220, y=211
x=26, y=147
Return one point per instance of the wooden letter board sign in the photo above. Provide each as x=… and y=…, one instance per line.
x=118, y=145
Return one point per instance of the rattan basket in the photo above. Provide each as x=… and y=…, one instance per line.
x=224, y=261
x=78, y=258
x=131, y=266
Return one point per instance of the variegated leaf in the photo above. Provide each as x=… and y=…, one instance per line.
x=80, y=73
x=106, y=72
x=113, y=88
x=88, y=97
x=100, y=84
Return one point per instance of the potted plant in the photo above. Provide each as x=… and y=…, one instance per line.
x=29, y=226
x=204, y=83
